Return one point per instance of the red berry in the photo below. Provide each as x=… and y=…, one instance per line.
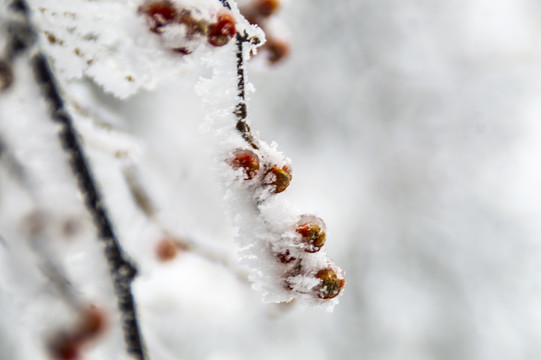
x=65, y=349
x=312, y=231
x=266, y=8
x=252, y=18
x=248, y=161
x=68, y=345
x=331, y=284
x=93, y=323
x=160, y=14
x=277, y=50
x=220, y=32
x=279, y=178
x=167, y=249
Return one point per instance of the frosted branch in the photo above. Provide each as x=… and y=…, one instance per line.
x=283, y=247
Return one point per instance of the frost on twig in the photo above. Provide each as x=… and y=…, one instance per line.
x=121, y=268
x=283, y=247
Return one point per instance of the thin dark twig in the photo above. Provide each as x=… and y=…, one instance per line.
x=240, y=109
x=122, y=270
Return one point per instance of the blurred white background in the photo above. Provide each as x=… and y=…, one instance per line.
x=414, y=131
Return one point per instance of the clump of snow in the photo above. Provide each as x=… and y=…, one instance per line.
x=110, y=42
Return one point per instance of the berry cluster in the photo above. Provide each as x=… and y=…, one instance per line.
x=183, y=29
x=259, y=12
x=69, y=345
x=304, y=269
x=301, y=252
x=272, y=176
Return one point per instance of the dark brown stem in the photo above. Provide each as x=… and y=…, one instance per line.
x=122, y=270
x=240, y=109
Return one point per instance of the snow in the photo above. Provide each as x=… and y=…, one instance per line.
x=109, y=42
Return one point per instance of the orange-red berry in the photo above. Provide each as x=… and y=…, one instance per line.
x=68, y=345
x=277, y=50
x=92, y=323
x=167, y=249
x=279, y=178
x=331, y=284
x=313, y=236
x=220, y=32
x=248, y=161
x=65, y=349
x=266, y=8
x=160, y=13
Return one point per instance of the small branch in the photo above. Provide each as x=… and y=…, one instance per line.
x=240, y=109
x=122, y=270
x=214, y=255
x=145, y=203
